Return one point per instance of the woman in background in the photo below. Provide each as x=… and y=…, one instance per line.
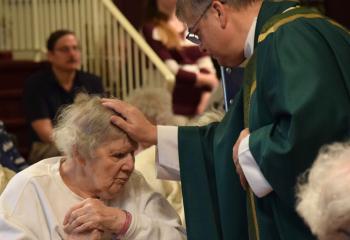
x=194, y=71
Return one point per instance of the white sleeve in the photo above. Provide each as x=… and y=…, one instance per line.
x=258, y=183
x=167, y=157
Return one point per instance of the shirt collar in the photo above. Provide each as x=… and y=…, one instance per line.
x=249, y=43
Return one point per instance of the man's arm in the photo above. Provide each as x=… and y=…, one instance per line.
x=43, y=127
x=36, y=106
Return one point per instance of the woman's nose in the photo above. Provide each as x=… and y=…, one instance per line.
x=129, y=163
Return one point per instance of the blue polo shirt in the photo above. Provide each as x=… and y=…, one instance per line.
x=43, y=96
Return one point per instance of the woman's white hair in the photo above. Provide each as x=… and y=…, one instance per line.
x=324, y=193
x=209, y=116
x=84, y=126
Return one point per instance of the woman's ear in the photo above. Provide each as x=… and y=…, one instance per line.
x=221, y=13
x=77, y=156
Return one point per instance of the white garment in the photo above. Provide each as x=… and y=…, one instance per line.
x=256, y=180
x=167, y=162
x=168, y=157
x=171, y=190
x=36, y=200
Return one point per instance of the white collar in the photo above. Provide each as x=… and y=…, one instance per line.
x=249, y=42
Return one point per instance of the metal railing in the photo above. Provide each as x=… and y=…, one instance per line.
x=111, y=47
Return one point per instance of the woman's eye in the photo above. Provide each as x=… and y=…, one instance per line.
x=120, y=155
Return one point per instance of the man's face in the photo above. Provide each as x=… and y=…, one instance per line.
x=65, y=55
x=221, y=33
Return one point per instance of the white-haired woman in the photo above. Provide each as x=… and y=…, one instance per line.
x=90, y=193
x=324, y=199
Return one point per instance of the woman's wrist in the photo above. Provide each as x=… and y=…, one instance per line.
x=123, y=227
x=126, y=225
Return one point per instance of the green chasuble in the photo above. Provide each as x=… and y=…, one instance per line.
x=295, y=98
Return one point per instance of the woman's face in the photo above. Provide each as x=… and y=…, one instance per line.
x=110, y=168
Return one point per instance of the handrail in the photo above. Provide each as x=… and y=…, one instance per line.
x=111, y=47
x=139, y=40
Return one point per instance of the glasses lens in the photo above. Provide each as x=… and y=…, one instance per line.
x=193, y=38
x=67, y=49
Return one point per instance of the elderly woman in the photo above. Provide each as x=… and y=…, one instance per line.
x=324, y=200
x=90, y=193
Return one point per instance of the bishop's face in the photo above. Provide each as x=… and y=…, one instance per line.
x=221, y=32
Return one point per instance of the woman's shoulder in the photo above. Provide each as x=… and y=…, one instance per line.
x=148, y=28
x=136, y=178
x=137, y=185
x=149, y=25
x=29, y=178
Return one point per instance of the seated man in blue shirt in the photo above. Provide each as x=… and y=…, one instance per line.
x=46, y=91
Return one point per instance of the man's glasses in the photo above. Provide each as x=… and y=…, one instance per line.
x=191, y=36
x=67, y=49
x=344, y=232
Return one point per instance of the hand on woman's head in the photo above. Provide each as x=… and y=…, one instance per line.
x=132, y=121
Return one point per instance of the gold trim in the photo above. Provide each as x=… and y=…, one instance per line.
x=253, y=87
x=339, y=25
x=250, y=194
x=274, y=27
x=255, y=218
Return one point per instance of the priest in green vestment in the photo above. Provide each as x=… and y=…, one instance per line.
x=238, y=176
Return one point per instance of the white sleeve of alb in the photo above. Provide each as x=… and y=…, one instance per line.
x=255, y=178
x=167, y=157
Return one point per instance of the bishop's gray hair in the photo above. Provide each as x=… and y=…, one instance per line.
x=196, y=7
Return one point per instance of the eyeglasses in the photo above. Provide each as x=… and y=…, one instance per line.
x=67, y=49
x=191, y=36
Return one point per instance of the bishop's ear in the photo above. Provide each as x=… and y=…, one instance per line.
x=220, y=13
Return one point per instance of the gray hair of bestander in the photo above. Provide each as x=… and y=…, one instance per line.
x=323, y=193
x=84, y=126
x=154, y=103
x=196, y=7
x=209, y=116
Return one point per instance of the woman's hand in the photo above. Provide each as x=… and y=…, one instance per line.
x=92, y=235
x=92, y=214
x=133, y=122
x=207, y=80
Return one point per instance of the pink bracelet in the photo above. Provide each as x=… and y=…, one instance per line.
x=127, y=223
